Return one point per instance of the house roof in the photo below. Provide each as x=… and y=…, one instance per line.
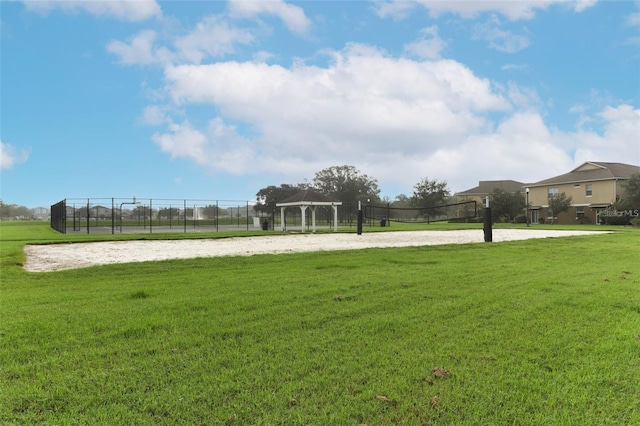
x=592, y=171
x=308, y=197
x=486, y=187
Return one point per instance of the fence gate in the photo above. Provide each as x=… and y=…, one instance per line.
x=59, y=216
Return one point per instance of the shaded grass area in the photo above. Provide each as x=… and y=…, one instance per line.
x=529, y=332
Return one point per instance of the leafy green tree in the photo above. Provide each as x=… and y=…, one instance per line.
x=631, y=198
x=141, y=213
x=211, y=211
x=505, y=206
x=401, y=201
x=630, y=201
x=166, y=213
x=267, y=198
x=559, y=203
x=428, y=194
x=12, y=211
x=347, y=184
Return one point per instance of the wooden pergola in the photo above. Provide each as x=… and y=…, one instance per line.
x=309, y=199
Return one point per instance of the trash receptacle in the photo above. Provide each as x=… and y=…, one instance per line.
x=383, y=222
x=265, y=225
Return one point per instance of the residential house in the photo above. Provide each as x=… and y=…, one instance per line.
x=40, y=213
x=100, y=212
x=593, y=187
x=485, y=188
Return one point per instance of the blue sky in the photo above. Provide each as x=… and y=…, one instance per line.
x=218, y=99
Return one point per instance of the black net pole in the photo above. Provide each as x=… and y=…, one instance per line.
x=113, y=217
x=88, y=215
x=488, y=232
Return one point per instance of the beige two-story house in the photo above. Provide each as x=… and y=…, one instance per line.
x=486, y=187
x=593, y=187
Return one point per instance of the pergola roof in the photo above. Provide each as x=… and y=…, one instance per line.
x=308, y=198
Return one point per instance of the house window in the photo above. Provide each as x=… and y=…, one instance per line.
x=579, y=212
x=552, y=192
x=588, y=190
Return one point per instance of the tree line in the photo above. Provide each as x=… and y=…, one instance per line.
x=15, y=211
x=349, y=185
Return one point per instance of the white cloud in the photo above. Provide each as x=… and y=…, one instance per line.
x=126, y=10
x=183, y=141
x=618, y=140
x=362, y=85
x=429, y=44
x=583, y=117
x=523, y=98
x=366, y=106
x=219, y=148
x=155, y=115
x=262, y=56
x=501, y=40
x=582, y=5
x=620, y=137
x=213, y=37
x=292, y=16
x=633, y=41
x=517, y=149
x=511, y=9
x=395, y=9
x=622, y=133
x=633, y=20
x=139, y=50
x=10, y=155
x=516, y=67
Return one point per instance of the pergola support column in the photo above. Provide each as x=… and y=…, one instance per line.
x=282, y=227
x=311, y=199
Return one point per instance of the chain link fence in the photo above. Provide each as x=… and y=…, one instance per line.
x=118, y=215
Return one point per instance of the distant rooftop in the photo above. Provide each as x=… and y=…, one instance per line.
x=592, y=171
x=486, y=187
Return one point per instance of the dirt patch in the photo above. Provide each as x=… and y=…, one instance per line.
x=56, y=257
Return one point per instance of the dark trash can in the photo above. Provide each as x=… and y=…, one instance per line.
x=265, y=225
x=383, y=222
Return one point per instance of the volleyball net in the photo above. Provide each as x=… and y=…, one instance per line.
x=454, y=212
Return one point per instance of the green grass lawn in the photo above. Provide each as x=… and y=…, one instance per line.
x=535, y=332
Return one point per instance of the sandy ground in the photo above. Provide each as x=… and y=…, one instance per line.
x=56, y=257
